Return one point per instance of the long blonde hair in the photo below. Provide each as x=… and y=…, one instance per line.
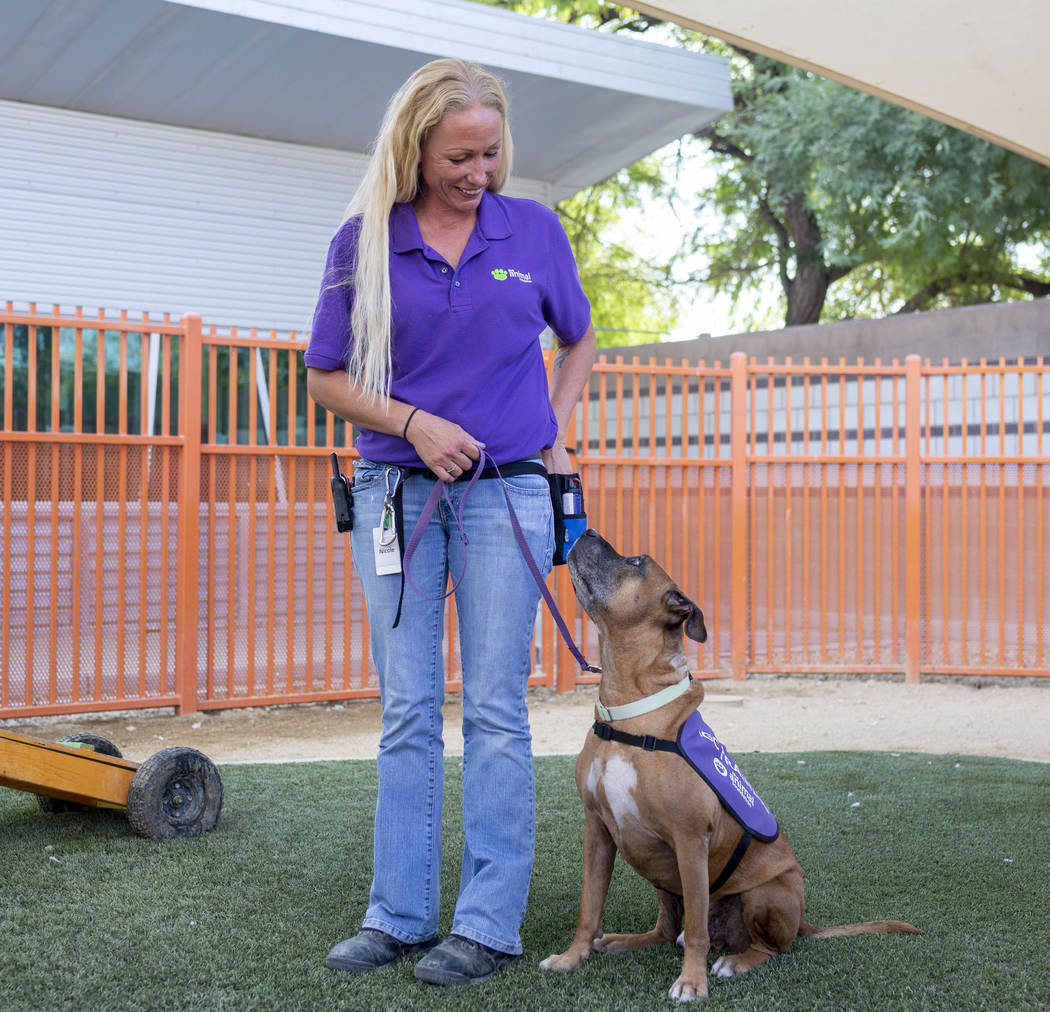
x=392, y=177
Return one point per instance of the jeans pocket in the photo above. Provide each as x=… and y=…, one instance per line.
x=528, y=484
x=368, y=473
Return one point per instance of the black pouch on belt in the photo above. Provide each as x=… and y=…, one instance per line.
x=570, y=518
x=342, y=498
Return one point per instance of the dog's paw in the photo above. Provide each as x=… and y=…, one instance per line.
x=733, y=964
x=564, y=961
x=688, y=990
x=615, y=945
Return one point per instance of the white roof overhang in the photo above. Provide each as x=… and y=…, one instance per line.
x=319, y=72
x=976, y=65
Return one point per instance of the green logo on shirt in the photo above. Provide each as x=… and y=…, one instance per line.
x=501, y=274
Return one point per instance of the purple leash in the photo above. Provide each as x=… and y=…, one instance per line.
x=429, y=506
x=440, y=491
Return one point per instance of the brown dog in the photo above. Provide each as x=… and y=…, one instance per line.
x=652, y=807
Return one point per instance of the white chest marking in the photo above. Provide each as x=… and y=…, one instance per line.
x=618, y=779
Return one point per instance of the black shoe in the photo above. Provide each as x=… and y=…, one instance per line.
x=371, y=950
x=458, y=960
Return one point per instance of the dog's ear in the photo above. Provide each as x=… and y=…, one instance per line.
x=688, y=613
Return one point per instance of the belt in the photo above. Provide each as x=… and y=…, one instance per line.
x=510, y=470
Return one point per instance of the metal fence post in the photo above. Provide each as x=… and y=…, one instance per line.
x=738, y=507
x=188, y=535
x=566, y=669
x=912, y=520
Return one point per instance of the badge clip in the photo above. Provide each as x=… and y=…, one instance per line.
x=384, y=537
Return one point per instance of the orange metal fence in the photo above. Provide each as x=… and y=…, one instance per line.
x=166, y=535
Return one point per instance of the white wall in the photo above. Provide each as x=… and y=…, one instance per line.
x=117, y=214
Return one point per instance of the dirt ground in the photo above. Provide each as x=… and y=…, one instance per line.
x=1006, y=717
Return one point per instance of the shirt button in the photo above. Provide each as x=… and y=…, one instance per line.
x=444, y=270
x=457, y=284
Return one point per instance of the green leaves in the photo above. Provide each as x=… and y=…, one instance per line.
x=925, y=215
x=631, y=294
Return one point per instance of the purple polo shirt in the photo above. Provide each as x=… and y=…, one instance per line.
x=464, y=342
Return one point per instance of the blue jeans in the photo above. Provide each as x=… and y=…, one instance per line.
x=496, y=605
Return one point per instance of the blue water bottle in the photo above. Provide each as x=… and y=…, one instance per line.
x=574, y=518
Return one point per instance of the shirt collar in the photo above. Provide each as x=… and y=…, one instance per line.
x=404, y=229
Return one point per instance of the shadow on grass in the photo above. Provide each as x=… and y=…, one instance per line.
x=92, y=917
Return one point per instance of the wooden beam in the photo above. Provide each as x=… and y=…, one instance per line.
x=64, y=771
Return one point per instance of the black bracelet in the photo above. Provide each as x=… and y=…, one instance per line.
x=404, y=431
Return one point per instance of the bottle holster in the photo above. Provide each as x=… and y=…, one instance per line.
x=570, y=517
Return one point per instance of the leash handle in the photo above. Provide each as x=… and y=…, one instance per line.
x=430, y=506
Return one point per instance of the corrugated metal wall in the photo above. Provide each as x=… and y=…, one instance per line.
x=100, y=211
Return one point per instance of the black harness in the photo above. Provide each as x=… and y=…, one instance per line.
x=650, y=743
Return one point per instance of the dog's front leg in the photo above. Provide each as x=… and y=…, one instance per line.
x=668, y=921
x=692, y=866
x=599, y=854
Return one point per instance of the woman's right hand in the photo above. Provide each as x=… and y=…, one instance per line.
x=443, y=446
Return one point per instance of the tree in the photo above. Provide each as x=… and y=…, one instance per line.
x=851, y=205
x=828, y=186
x=632, y=296
x=588, y=13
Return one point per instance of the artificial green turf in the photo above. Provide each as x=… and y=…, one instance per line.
x=92, y=917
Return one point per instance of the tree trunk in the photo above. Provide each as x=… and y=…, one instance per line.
x=808, y=289
x=806, y=293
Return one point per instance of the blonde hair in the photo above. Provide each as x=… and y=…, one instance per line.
x=392, y=177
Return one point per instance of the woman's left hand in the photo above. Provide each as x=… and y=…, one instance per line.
x=556, y=459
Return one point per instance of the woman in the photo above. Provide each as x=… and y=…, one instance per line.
x=435, y=293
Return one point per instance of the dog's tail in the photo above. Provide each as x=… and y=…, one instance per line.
x=865, y=928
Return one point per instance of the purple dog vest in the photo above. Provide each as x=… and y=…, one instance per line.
x=708, y=756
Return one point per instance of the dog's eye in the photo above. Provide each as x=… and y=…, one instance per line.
x=635, y=560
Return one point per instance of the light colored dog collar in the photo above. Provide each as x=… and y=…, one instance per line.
x=645, y=705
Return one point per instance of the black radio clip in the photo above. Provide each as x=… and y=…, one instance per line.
x=343, y=498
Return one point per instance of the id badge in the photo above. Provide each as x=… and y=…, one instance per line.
x=385, y=544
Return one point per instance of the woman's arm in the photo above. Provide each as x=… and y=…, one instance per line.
x=335, y=392
x=442, y=445
x=569, y=375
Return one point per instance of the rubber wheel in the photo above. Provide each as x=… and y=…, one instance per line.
x=175, y=793
x=101, y=745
